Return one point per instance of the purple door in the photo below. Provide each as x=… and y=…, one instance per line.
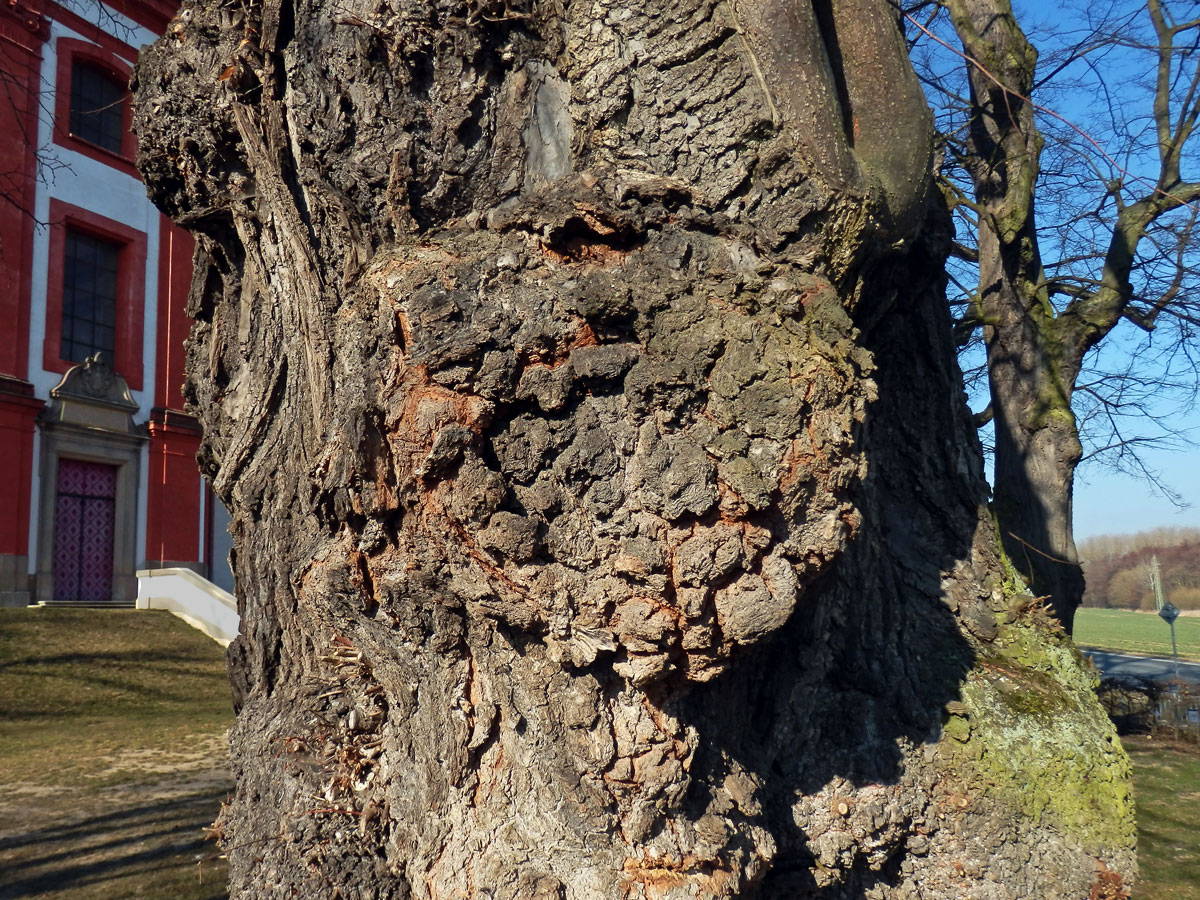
x=84, y=520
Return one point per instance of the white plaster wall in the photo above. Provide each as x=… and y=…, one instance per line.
x=94, y=186
x=112, y=22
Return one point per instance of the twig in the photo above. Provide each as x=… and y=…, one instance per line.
x=1044, y=109
x=1029, y=546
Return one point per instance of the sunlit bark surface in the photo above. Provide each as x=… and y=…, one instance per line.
x=607, y=520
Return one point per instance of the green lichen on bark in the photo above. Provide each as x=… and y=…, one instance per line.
x=1027, y=734
x=1074, y=778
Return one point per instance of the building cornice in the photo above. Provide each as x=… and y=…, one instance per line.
x=173, y=421
x=18, y=392
x=29, y=18
x=150, y=14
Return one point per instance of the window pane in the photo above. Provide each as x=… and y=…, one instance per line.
x=105, y=311
x=102, y=340
x=89, y=300
x=85, y=253
x=97, y=106
x=106, y=285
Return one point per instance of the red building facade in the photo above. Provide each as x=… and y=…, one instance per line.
x=98, y=478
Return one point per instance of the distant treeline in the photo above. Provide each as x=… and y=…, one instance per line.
x=1117, y=567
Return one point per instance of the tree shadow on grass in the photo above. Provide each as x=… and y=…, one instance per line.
x=118, y=672
x=151, y=849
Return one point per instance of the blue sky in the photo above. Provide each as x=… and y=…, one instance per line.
x=1107, y=91
x=1107, y=502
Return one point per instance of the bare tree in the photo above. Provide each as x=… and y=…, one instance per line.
x=607, y=519
x=1070, y=236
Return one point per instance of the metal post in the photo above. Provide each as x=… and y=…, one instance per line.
x=1169, y=613
x=1174, y=650
x=1156, y=584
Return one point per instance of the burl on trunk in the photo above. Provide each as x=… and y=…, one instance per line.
x=607, y=520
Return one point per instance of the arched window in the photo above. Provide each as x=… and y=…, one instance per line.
x=97, y=106
x=93, y=107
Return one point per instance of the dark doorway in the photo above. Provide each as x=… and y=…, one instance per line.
x=84, y=523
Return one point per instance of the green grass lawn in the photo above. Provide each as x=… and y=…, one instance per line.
x=1121, y=630
x=112, y=756
x=1166, y=781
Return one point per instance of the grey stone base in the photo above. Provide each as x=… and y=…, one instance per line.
x=14, y=581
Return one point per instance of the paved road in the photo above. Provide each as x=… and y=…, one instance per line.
x=1142, y=666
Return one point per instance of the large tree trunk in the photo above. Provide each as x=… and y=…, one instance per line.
x=1037, y=451
x=1036, y=437
x=607, y=519
x=1033, y=355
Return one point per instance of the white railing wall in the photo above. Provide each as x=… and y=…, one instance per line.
x=192, y=598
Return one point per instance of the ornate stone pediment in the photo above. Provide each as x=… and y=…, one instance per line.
x=91, y=395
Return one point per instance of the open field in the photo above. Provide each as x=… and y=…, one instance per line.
x=112, y=756
x=1167, y=790
x=1132, y=632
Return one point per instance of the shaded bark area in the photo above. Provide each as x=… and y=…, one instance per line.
x=606, y=516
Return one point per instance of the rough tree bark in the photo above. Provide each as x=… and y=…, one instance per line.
x=606, y=514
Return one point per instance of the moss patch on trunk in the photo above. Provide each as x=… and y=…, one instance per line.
x=999, y=745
